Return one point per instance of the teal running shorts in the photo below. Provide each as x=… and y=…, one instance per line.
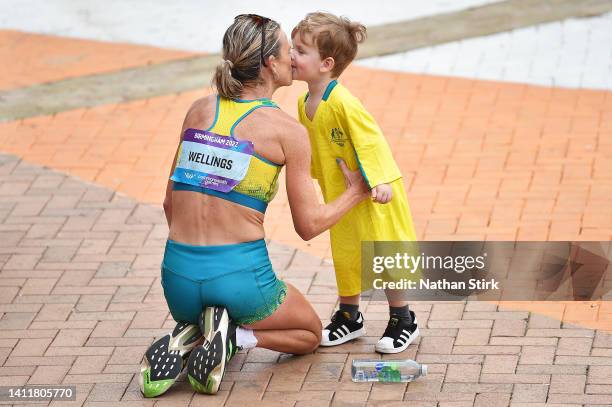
x=237, y=276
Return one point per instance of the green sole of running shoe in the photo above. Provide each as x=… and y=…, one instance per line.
x=206, y=364
x=153, y=389
x=164, y=360
x=200, y=388
x=205, y=367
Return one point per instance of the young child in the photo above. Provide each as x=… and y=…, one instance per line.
x=340, y=128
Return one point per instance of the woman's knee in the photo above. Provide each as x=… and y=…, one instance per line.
x=317, y=329
x=309, y=343
x=310, y=321
x=313, y=340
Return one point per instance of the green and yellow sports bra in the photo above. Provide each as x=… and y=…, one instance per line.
x=259, y=185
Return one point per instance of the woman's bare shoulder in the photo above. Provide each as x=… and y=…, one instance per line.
x=282, y=124
x=201, y=112
x=204, y=102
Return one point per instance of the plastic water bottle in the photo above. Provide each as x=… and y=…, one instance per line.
x=377, y=370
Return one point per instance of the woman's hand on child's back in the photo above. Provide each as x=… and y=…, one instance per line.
x=353, y=179
x=382, y=193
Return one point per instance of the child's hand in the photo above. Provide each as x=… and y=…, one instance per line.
x=382, y=193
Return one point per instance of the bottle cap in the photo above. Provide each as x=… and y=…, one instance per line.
x=423, y=370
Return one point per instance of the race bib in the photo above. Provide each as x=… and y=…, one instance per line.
x=212, y=161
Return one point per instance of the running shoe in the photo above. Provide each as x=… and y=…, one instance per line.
x=164, y=360
x=399, y=334
x=206, y=364
x=342, y=329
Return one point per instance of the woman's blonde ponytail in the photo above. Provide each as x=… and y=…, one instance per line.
x=227, y=86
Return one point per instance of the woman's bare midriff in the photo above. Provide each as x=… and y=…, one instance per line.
x=205, y=220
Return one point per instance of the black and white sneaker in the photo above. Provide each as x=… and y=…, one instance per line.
x=206, y=364
x=399, y=334
x=342, y=329
x=164, y=360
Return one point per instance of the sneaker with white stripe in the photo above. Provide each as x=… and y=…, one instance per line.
x=399, y=334
x=342, y=329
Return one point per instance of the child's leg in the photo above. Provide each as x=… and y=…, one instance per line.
x=346, y=323
x=350, y=305
x=398, y=306
x=402, y=328
x=353, y=299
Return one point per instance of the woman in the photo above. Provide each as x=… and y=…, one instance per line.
x=216, y=273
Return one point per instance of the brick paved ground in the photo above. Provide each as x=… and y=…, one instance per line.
x=79, y=262
x=81, y=301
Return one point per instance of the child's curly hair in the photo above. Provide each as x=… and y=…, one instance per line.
x=336, y=37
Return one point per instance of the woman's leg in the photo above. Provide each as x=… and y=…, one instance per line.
x=164, y=360
x=294, y=327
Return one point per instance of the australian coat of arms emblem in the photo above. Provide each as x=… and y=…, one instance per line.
x=338, y=137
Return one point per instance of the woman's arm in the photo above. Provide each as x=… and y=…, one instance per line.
x=310, y=218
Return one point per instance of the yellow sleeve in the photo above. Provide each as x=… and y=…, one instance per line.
x=371, y=148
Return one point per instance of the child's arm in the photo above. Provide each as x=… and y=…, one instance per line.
x=371, y=148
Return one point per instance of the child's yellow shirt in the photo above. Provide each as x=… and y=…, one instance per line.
x=342, y=128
